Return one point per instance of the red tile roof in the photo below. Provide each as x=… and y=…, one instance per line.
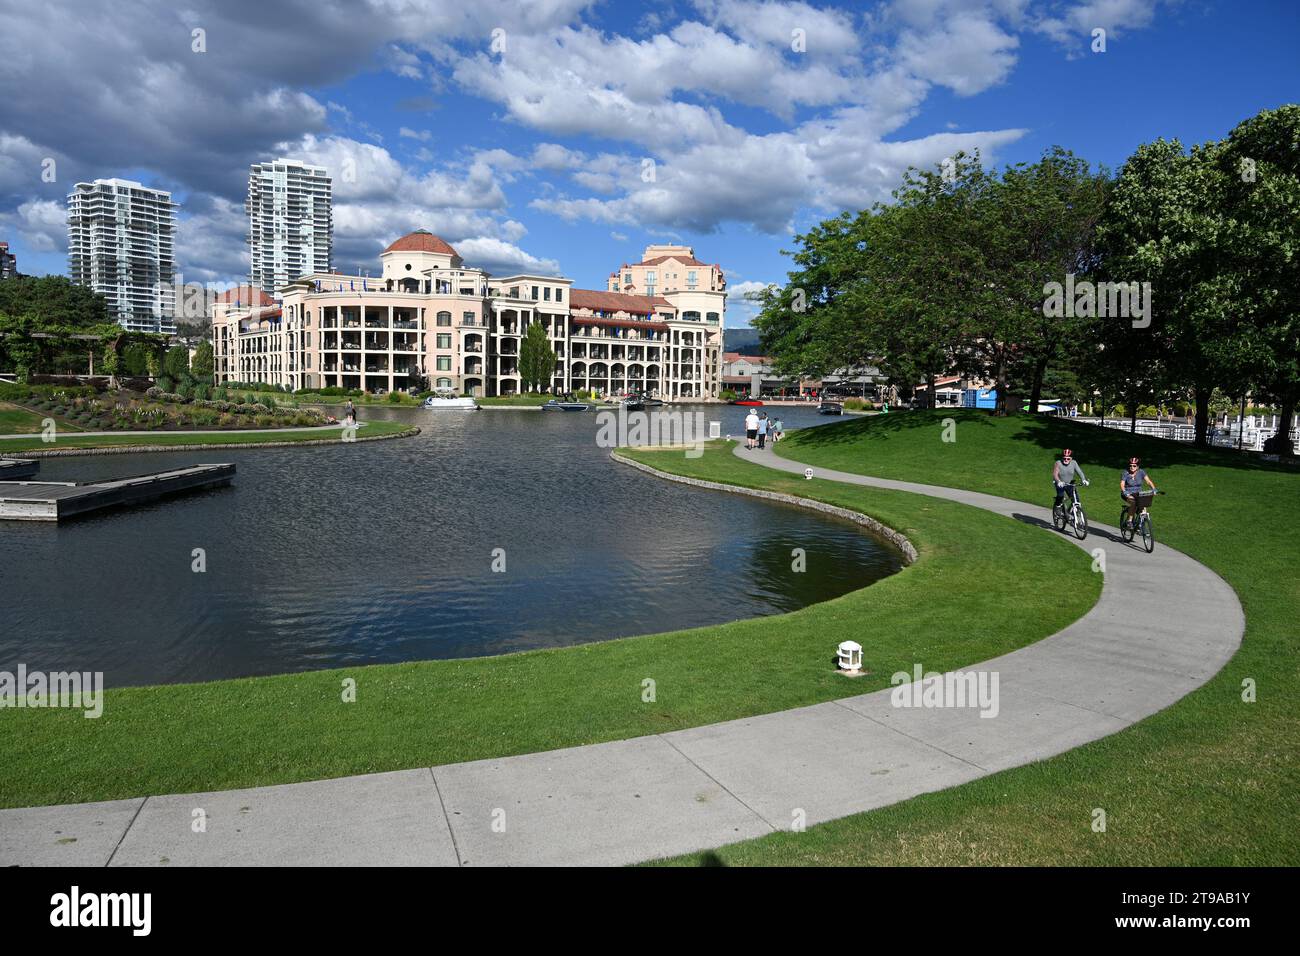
x=246, y=296
x=422, y=241
x=684, y=260
x=615, y=302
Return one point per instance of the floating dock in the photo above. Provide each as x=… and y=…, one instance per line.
x=55, y=500
x=12, y=469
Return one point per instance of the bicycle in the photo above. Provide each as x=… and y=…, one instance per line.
x=1128, y=530
x=1073, y=515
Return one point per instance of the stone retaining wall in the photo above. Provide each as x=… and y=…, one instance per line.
x=897, y=539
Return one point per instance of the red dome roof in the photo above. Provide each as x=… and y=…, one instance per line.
x=421, y=241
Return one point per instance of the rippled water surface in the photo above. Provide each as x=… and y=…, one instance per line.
x=383, y=551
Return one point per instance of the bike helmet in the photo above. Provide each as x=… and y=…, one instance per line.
x=1067, y=455
x=1132, y=462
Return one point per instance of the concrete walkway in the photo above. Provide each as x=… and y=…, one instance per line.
x=1163, y=626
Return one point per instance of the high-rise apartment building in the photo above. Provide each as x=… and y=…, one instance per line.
x=121, y=244
x=290, y=222
x=8, y=262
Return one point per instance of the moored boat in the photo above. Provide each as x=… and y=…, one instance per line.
x=445, y=398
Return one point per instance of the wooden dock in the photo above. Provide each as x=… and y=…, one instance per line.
x=57, y=500
x=12, y=469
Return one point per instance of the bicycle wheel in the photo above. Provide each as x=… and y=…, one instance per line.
x=1058, y=516
x=1125, y=529
x=1080, y=523
x=1148, y=536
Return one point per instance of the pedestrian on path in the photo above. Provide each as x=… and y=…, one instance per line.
x=762, y=430
x=778, y=431
x=751, y=429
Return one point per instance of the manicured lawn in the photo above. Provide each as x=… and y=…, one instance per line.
x=233, y=437
x=16, y=420
x=1210, y=781
x=241, y=733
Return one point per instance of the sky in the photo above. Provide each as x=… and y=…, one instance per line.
x=563, y=136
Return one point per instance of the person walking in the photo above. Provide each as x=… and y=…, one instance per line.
x=778, y=431
x=762, y=431
x=751, y=429
x=352, y=413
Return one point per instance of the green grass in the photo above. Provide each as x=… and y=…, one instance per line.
x=1209, y=781
x=15, y=420
x=245, y=436
x=241, y=733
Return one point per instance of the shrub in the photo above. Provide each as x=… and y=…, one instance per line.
x=165, y=383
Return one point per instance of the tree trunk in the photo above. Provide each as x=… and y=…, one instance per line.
x=930, y=397
x=1133, y=415
x=1000, y=382
x=1202, y=415
x=1036, y=390
x=1286, y=413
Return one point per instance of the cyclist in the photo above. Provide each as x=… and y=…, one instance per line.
x=1064, y=471
x=1130, y=487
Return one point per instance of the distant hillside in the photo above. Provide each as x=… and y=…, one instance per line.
x=740, y=340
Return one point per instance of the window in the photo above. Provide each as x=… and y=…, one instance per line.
x=546, y=294
x=444, y=383
x=468, y=318
x=534, y=293
x=444, y=318
x=408, y=267
x=559, y=295
x=444, y=341
x=444, y=363
x=627, y=278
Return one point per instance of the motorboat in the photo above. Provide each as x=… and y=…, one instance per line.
x=555, y=405
x=830, y=408
x=749, y=402
x=446, y=398
x=652, y=402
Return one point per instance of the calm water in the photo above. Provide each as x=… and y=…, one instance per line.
x=382, y=551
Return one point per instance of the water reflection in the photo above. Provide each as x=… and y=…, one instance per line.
x=382, y=551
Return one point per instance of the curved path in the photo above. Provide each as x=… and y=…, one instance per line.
x=1163, y=626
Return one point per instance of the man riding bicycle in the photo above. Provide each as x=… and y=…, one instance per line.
x=1064, y=472
x=1130, y=488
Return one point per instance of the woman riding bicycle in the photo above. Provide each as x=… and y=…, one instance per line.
x=1130, y=488
x=1064, y=471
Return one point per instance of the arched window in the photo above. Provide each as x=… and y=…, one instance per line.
x=712, y=316
x=444, y=383
x=444, y=318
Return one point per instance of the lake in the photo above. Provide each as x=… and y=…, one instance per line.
x=383, y=551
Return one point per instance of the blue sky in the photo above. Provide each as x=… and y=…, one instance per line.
x=521, y=133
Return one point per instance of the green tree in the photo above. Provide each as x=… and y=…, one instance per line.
x=1261, y=169
x=202, y=366
x=1165, y=225
x=53, y=301
x=536, y=358
x=176, y=363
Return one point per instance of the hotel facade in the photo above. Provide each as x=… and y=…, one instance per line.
x=428, y=320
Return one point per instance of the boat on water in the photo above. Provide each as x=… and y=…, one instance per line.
x=830, y=408
x=749, y=402
x=565, y=403
x=445, y=398
x=633, y=404
x=652, y=402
